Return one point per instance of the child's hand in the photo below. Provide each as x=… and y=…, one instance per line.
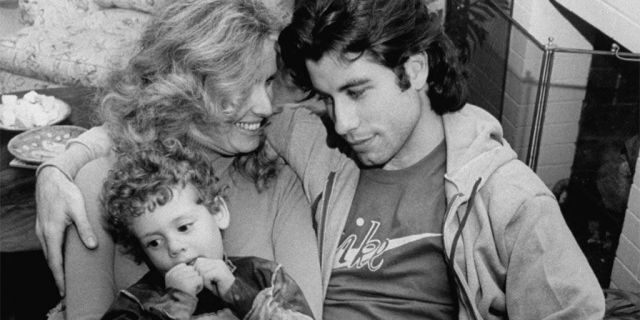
x=216, y=275
x=184, y=278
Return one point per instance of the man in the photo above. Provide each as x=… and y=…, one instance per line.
x=426, y=213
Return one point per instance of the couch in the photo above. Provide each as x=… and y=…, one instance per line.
x=77, y=42
x=71, y=42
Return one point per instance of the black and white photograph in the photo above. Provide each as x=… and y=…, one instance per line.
x=320, y=159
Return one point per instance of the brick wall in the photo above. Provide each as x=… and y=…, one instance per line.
x=626, y=267
x=567, y=91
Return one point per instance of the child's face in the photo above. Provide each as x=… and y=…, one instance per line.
x=180, y=231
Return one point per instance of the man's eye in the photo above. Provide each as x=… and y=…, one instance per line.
x=355, y=94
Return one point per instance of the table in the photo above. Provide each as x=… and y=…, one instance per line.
x=17, y=186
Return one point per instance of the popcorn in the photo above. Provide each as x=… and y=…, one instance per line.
x=33, y=110
x=9, y=99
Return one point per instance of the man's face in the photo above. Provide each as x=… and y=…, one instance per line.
x=180, y=231
x=369, y=110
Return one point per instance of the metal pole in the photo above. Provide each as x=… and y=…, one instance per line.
x=540, y=106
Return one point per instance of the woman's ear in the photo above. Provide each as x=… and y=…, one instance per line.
x=222, y=216
x=417, y=69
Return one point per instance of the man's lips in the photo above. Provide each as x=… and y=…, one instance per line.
x=360, y=144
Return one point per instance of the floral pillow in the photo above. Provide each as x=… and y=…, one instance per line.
x=141, y=5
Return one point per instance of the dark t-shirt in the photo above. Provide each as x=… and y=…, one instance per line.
x=390, y=259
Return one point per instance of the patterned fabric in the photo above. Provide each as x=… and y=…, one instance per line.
x=78, y=42
x=67, y=42
x=79, y=53
x=142, y=5
x=59, y=12
x=10, y=82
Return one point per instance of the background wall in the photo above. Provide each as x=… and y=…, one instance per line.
x=567, y=90
x=566, y=102
x=620, y=19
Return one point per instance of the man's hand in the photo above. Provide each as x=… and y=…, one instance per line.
x=216, y=275
x=59, y=203
x=184, y=278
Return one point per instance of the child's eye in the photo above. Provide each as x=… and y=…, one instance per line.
x=153, y=244
x=185, y=227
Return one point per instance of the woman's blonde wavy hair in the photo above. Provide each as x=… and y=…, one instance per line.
x=196, y=67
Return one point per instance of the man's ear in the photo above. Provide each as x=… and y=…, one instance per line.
x=417, y=69
x=222, y=216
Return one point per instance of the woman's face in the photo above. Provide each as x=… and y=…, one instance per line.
x=245, y=132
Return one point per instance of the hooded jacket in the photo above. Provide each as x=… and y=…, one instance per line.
x=506, y=243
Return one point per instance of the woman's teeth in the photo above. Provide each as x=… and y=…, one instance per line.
x=250, y=126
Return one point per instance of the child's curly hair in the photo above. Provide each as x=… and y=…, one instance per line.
x=141, y=180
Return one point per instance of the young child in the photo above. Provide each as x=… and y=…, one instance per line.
x=165, y=207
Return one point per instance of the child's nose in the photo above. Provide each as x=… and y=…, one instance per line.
x=176, y=247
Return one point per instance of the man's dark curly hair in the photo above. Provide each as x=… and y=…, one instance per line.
x=141, y=180
x=387, y=31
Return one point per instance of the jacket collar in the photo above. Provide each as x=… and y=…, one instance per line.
x=475, y=148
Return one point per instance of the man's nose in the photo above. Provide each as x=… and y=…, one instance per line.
x=345, y=117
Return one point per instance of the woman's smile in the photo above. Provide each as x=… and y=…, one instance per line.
x=252, y=126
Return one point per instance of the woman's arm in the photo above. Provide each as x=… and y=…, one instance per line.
x=59, y=201
x=303, y=140
x=295, y=244
x=93, y=277
x=90, y=145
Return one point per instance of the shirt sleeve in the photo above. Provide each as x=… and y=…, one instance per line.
x=172, y=305
x=548, y=277
x=302, y=139
x=241, y=296
x=282, y=300
x=294, y=240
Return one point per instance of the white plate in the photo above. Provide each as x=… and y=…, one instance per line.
x=40, y=144
x=62, y=112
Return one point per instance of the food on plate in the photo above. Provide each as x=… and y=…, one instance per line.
x=30, y=111
x=37, y=145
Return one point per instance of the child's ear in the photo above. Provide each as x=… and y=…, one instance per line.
x=222, y=216
x=417, y=69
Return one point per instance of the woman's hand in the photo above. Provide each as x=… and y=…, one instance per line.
x=59, y=203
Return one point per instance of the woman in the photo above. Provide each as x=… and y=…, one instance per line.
x=203, y=76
